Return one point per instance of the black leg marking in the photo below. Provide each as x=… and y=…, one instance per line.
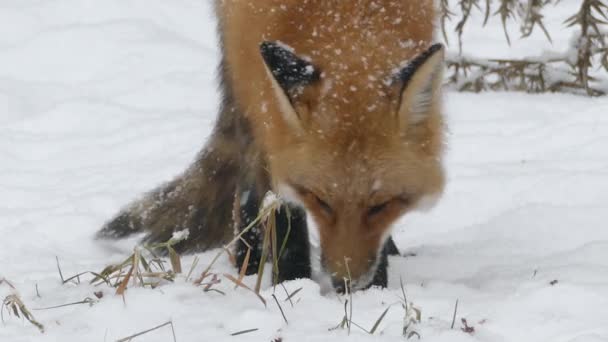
x=294, y=262
x=254, y=238
x=381, y=276
x=391, y=247
x=292, y=239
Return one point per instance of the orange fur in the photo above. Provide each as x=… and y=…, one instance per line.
x=358, y=146
x=355, y=152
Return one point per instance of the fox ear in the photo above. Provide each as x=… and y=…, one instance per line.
x=421, y=80
x=288, y=73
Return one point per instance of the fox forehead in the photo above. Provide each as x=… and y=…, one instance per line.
x=344, y=37
x=332, y=30
x=356, y=170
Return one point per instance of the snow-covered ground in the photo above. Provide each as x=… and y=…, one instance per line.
x=102, y=100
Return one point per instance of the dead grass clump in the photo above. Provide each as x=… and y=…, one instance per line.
x=13, y=304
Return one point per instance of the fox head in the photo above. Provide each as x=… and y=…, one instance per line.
x=361, y=150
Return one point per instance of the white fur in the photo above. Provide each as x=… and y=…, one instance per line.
x=287, y=193
x=427, y=202
x=318, y=274
x=419, y=110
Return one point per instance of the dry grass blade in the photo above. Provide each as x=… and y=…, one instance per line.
x=268, y=231
x=140, y=271
x=262, y=214
x=231, y=256
x=274, y=250
x=87, y=300
x=208, y=287
x=344, y=321
x=454, y=316
x=75, y=277
x=289, y=297
x=8, y=283
x=59, y=269
x=242, y=332
x=240, y=284
x=125, y=281
x=244, y=266
x=129, y=338
x=176, y=262
x=192, y=267
x=378, y=321
x=402, y=289
x=412, y=315
x=206, y=273
x=347, y=321
x=348, y=287
x=104, y=275
x=14, y=305
x=287, y=294
x=284, y=243
x=280, y=308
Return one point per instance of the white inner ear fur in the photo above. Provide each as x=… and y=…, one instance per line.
x=421, y=104
x=288, y=112
x=422, y=91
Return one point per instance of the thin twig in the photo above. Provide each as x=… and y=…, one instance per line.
x=371, y=332
x=242, y=332
x=289, y=297
x=87, y=300
x=350, y=293
x=280, y=308
x=454, y=317
x=59, y=269
x=129, y=338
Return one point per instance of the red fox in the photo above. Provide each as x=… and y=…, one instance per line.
x=334, y=105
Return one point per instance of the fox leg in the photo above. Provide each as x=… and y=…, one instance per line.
x=291, y=235
x=381, y=276
x=246, y=209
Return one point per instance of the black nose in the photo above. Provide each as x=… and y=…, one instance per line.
x=341, y=284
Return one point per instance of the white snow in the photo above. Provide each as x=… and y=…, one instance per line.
x=103, y=100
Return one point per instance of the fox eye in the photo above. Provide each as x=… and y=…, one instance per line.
x=324, y=205
x=376, y=209
x=402, y=201
x=321, y=203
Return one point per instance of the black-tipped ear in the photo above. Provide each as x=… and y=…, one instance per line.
x=421, y=86
x=407, y=73
x=287, y=73
x=287, y=68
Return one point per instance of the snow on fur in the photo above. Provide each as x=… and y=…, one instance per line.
x=100, y=104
